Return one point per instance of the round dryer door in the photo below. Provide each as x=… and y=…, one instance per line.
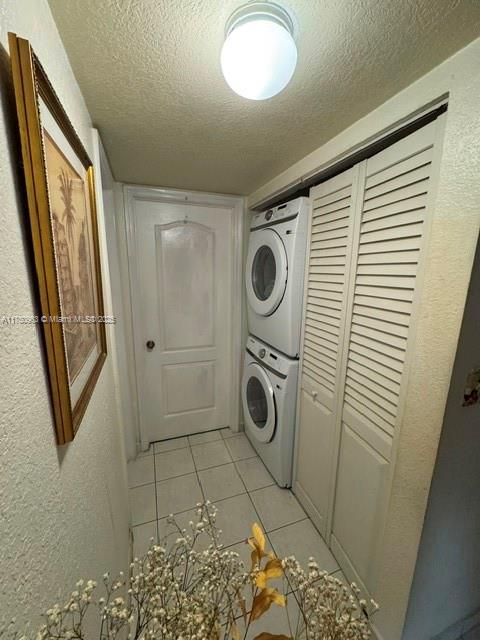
x=258, y=403
x=266, y=271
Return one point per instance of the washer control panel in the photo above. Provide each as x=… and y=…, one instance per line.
x=274, y=359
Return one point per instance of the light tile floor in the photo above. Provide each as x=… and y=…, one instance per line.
x=221, y=466
x=174, y=475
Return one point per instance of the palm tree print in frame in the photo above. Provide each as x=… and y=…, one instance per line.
x=73, y=250
x=65, y=240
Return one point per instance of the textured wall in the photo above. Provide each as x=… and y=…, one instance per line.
x=449, y=260
x=449, y=590
x=123, y=368
x=153, y=102
x=63, y=511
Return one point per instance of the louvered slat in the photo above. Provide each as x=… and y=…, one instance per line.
x=386, y=327
x=415, y=203
x=318, y=293
x=400, y=195
x=398, y=183
x=325, y=354
x=400, y=168
x=397, y=257
x=390, y=239
x=385, y=410
x=338, y=223
x=337, y=195
x=330, y=240
x=379, y=390
x=375, y=312
x=388, y=293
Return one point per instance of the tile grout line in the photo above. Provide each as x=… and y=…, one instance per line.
x=196, y=470
x=267, y=532
x=156, y=480
x=241, y=477
x=189, y=446
x=251, y=501
x=246, y=492
x=189, y=473
x=156, y=497
x=289, y=525
x=198, y=477
x=140, y=524
x=263, y=527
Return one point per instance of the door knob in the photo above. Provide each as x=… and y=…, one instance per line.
x=150, y=344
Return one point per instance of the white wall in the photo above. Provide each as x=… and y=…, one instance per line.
x=449, y=260
x=123, y=371
x=125, y=312
x=64, y=511
x=446, y=587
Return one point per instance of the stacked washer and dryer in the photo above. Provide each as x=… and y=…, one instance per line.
x=274, y=282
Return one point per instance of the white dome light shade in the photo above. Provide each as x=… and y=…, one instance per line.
x=258, y=58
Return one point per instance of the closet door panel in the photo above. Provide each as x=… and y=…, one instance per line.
x=383, y=288
x=360, y=490
x=327, y=274
x=326, y=283
x=368, y=229
x=314, y=450
x=384, y=280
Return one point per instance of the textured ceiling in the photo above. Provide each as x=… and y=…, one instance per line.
x=150, y=73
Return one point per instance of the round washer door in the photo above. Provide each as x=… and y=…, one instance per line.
x=266, y=271
x=258, y=403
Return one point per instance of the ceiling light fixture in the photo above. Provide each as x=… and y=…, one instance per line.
x=259, y=53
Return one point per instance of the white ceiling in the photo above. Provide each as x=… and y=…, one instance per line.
x=150, y=73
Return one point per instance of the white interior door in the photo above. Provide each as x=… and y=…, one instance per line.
x=183, y=328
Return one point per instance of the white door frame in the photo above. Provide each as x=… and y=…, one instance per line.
x=237, y=206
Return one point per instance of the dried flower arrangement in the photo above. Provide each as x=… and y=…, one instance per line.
x=184, y=589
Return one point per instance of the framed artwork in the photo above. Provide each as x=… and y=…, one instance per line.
x=61, y=200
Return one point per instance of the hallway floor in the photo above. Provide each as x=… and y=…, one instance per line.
x=223, y=467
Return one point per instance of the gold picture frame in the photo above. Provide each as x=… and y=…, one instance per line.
x=60, y=189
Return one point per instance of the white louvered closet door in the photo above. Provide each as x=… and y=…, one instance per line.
x=382, y=297
x=330, y=250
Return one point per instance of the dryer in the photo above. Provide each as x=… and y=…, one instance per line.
x=274, y=275
x=269, y=390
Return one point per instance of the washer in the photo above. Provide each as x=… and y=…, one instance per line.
x=275, y=274
x=269, y=388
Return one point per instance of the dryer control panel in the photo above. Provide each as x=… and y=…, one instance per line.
x=275, y=215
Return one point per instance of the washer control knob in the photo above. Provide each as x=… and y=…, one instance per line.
x=262, y=353
x=269, y=214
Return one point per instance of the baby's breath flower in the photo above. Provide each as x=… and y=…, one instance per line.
x=177, y=591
